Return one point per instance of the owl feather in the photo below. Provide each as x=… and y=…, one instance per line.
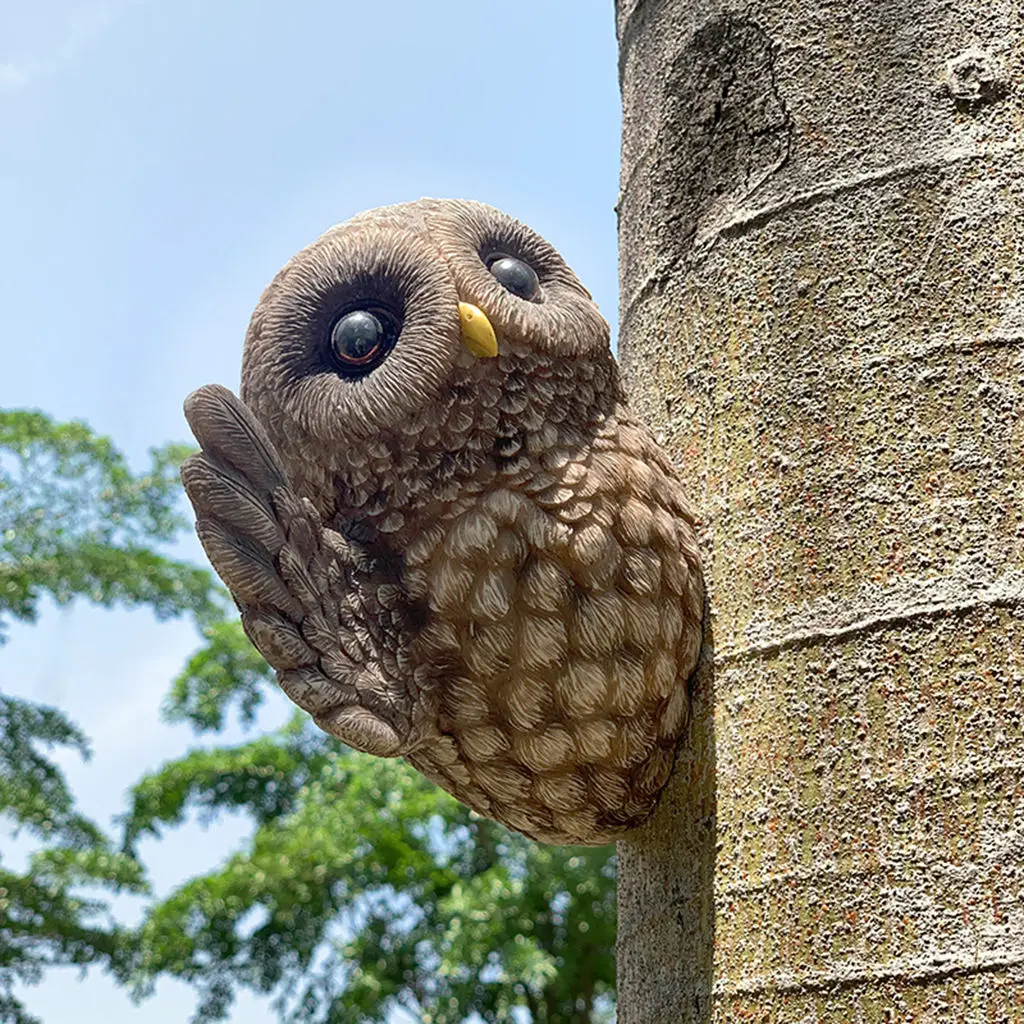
x=306, y=593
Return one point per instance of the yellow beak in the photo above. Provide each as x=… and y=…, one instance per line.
x=477, y=332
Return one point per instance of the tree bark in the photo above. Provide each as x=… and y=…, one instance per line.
x=822, y=233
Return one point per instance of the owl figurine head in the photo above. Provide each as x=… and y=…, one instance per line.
x=444, y=529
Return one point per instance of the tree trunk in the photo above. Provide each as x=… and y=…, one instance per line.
x=821, y=240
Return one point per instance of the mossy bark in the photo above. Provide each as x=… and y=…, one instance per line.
x=822, y=242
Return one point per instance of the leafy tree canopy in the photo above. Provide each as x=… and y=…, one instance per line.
x=364, y=887
x=75, y=521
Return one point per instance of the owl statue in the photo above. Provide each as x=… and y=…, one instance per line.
x=444, y=529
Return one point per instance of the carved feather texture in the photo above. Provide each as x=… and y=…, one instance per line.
x=485, y=566
x=305, y=603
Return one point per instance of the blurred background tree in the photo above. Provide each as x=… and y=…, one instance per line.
x=362, y=891
x=75, y=522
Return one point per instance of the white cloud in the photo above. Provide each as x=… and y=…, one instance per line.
x=82, y=26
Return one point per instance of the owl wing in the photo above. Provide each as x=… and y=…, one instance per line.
x=314, y=603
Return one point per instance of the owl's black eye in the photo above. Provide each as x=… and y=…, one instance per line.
x=515, y=275
x=362, y=338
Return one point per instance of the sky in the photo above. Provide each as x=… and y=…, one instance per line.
x=158, y=163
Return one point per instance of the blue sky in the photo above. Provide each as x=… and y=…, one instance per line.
x=158, y=163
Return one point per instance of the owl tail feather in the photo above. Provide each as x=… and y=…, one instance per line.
x=307, y=602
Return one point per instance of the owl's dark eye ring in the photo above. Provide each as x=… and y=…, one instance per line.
x=360, y=339
x=514, y=275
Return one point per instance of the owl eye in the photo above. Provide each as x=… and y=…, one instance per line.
x=515, y=275
x=361, y=339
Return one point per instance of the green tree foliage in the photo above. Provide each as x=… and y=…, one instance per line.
x=75, y=521
x=364, y=888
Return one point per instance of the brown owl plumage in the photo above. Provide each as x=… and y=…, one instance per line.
x=481, y=564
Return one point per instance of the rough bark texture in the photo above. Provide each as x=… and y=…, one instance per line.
x=822, y=225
